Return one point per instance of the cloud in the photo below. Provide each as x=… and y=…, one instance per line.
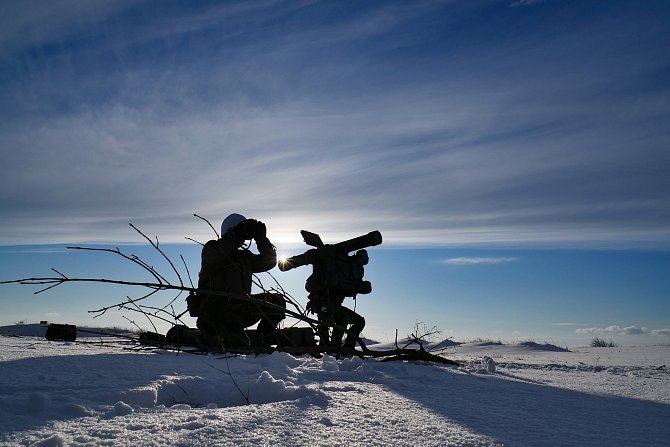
x=633, y=330
x=33, y=250
x=476, y=261
x=614, y=329
x=594, y=330
x=39, y=23
x=661, y=332
x=212, y=109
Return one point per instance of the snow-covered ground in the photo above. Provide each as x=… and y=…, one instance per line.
x=87, y=394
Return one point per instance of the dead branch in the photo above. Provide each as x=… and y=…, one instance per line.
x=230, y=374
x=193, y=240
x=155, y=245
x=420, y=335
x=210, y=225
x=188, y=273
x=155, y=287
x=145, y=314
x=131, y=258
x=133, y=323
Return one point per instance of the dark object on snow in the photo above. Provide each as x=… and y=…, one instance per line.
x=294, y=340
x=152, y=338
x=335, y=275
x=181, y=335
x=184, y=336
x=295, y=336
x=288, y=337
x=61, y=332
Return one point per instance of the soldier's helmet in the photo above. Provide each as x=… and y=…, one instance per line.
x=231, y=222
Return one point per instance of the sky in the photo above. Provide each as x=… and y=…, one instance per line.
x=513, y=154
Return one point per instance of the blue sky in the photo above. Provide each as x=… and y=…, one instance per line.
x=512, y=153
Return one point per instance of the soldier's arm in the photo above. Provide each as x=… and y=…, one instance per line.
x=266, y=258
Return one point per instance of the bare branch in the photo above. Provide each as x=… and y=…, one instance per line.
x=58, y=272
x=421, y=334
x=155, y=287
x=131, y=258
x=173, y=300
x=286, y=295
x=193, y=240
x=47, y=288
x=155, y=315
x=133, y=323
x=210, y=225
x=230, y=374
x=150, y=268
x=155, y=245
x=188, y=273
x=144, y=313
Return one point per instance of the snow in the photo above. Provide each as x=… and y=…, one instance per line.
x=98, y=393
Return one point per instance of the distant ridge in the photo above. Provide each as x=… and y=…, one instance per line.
x=24, y=330
x=543, y=346
x=39, y=330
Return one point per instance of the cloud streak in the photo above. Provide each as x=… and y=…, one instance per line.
x=615, y=329
x=478, y=261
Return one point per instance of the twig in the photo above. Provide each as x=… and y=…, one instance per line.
x=133, y=323
x=188, y=273
x=230, y=374
x=155, y=245
x=420, y=334
x=210, y=225
x=286, y=295
x=193, y=240
x=131, y=258
x=175, y=318
x=145, y=314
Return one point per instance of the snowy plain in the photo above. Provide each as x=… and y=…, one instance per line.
x=98, y=393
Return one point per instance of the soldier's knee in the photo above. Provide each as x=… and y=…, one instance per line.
x=359, y=322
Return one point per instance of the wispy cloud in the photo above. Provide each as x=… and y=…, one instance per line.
x=324, y=118
x=33, y=250
x=661, y=332
x=476, y=261
x=614, y=329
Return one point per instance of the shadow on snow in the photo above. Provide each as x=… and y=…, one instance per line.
x=521, y=412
